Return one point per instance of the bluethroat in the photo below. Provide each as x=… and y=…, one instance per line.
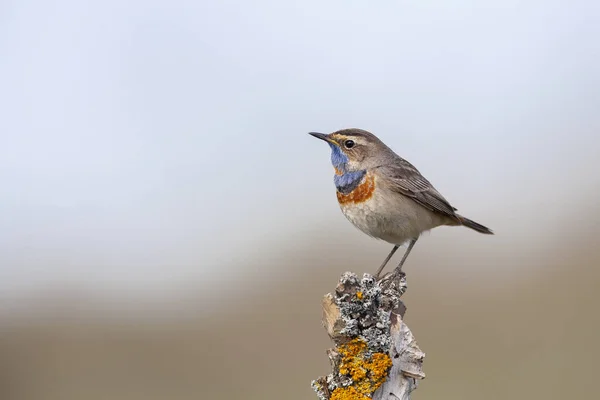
x=384, y=195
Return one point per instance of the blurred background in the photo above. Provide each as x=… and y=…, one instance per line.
x=168, y=228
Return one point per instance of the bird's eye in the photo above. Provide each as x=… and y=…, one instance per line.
x=349, y=144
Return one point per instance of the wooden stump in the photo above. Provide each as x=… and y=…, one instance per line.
x=375, y=355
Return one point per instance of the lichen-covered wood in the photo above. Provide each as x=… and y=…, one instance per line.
x=375, y=354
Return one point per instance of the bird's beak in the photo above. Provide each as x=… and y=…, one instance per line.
x=322, y=136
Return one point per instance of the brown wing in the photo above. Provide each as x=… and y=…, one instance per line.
x=404, y=178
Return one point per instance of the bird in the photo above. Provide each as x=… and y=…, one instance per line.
x=384, y=195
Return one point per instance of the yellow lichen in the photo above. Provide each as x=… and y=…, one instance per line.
x=359, y=295
x=347, y=393
x=367, y=372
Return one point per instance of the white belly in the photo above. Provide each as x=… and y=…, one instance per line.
x=391, y=217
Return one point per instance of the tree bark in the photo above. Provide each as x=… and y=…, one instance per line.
x=376, y=355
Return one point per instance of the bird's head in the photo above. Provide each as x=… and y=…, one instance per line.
x=354, y=149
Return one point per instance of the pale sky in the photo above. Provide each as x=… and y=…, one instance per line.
x=148, y=143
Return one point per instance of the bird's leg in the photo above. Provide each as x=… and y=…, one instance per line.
x=386, y=261
x=410, y=246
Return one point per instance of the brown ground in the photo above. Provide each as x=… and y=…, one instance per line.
x=530, y=334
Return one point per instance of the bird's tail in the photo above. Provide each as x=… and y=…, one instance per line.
x=474, y=225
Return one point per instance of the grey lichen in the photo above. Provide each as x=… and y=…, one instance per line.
x=360, y=305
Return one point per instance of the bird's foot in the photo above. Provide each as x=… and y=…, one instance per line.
x=397, y=272
x=392, y=277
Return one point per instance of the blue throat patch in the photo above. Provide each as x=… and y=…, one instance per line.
x=348, y=180
x=338, y=158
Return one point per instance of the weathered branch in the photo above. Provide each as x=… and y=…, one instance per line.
x=376, y=356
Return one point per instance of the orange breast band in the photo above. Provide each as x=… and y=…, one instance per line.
x=362, y=193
